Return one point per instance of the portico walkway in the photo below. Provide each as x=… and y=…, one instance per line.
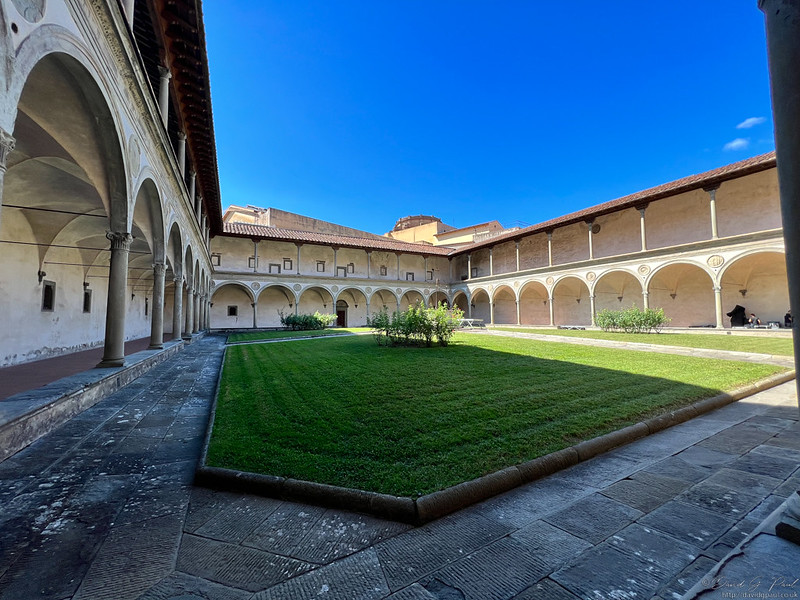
x=103, y=507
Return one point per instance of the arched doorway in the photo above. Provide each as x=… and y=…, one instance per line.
x=505, y=306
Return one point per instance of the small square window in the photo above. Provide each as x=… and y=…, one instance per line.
x=274, y=268
x=233, y=311
x=215, y=260
x=320, y=266
x=409, y=276
x=429, y=275
x=48, y=296
x=341, y=271
x=474, y=271
x=287, y=264
x=383, y=270
x=351, y=268
x=87, y=301
x=251, y=262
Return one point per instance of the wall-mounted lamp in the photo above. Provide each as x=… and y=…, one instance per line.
x=133, y=296
x=472, y=304
x=211, y=304
x=290, y=305
x=85, y=284
x=41, y=275
x=578, y=300
x=544, y=302
x=673, y=296
x=743, y=293
x=619, y=298
x=356, y=305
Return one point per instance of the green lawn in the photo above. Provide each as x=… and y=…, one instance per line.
x=410, y=421
x=738, y=342
x=285, y=335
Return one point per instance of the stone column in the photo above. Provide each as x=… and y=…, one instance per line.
x=163, y=94
x=491, y=311
x=368, y=313
x=516, y=249
x=718, y=306
x=518, y=312
x=646, y=300
x=114, y=349
x=255, y=314
x=642, y=227
x=469, y=267
x=591, y=308
x=335, y=256
x=255, y=255
x=129, y=10
x=193, y=196
x=591, y=249
x=712, y=193
x=398, y=276
x=189, y=313
x=552, y=314
x=549, y=248
x=157, y=324
x=182, y=153
x=369, y=265
x=7, y=143
x=491, y=262
x=177, y=309
x=297, y=270
x=469, y=308
x=196, y=313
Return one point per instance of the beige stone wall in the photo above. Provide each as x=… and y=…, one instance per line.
x=505, y=258
x=480, y=261
x=533, y=252
x=505, y=306
x=234, y=253
x=571, y=243
x=271, y=302
x=693, y=301
x=749, y=204
x=618, y=290
x=533, y=305
x=678, y=220
x=231, y=295
x=272, y=255
x=310, y=255
x=620, y=233
x=571, y=303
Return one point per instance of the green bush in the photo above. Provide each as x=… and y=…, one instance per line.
x=632, y=320
x=417, y=326
x=307, y=322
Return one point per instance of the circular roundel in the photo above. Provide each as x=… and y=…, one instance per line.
x=549, y=281
x=369, y=290
x=516, y=284
x=31, y=10
x=297, y=287
x=213, y=283
x=335, y=288
x=590, y=276
x=715, y=261
x=644, y=269
x=426, y=291
x=399, y=291
x=255, y=285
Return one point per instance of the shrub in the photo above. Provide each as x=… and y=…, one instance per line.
x=632, y=320
x=416, y=326
x=306, y=322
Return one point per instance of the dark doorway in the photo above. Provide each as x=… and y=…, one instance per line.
x=341, y=317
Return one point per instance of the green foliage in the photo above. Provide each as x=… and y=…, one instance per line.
x=307, y=322
x=632, y=320
x=417, y=326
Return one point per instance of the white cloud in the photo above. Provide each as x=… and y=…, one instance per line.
x=737, y=144
x=751, y=122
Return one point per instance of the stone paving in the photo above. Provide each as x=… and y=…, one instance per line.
x=104, y=507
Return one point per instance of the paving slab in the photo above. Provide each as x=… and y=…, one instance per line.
x=720, y=499
x=551, y=545
x=546, y=589
x=688, y=523
x=594, y=518
x=179, y=586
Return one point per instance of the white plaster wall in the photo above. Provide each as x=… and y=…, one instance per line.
x=357, y=257
x=533, y=252
x=570, y=244
x=412, y=263
x=441, y=270
x=481, y=310
x=271, y=302
x=137, y=324
x=764, y=277
x=381, y=297
x=533, y=307
x=234, y=253
x=387, y=259
x=749, y=204
x=678, y=219
x=231, y=295
x=620, y=233
x=310, y=254
x=356, y=315
x=271, y=252
x=611, y=286
x=316, y=299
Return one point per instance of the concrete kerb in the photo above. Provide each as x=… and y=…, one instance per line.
x=424, y=509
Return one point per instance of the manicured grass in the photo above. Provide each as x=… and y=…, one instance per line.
x=738, y=342
x=284, y=335
x=410, y=421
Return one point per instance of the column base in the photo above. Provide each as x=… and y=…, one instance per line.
x=186, y=337
x=108, y=363
x=155, y=347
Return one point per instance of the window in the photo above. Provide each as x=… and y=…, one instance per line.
x=233, y=311
x=383, y=270
x=287, y=264
x=341, y=271
x=351, y=268
x=48, y=295
x=274, y=268
x=409, y=276
x=251, y=262
x=474, y=271
x=215, y=260
x=320, y=266
x=429, y=275
x=146, y=306
x=87, y=301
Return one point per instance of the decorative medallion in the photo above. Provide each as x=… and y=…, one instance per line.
x=715, y=261
x=399, y=291
x=297, y=287
x=31, y=10
x=590, y=276
x=369, y=290
x=335, y=288
x=516, y=284
x=595, y=228
x=255, y=285
x=213, y=283
x=426, y=291
x=644, y=269
x=134, y=156
x=549, y=281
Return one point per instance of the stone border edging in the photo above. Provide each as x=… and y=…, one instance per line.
x=438, y=504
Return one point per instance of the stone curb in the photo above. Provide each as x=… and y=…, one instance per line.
x=424, y=509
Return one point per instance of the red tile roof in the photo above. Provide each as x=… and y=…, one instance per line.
x=309, y=237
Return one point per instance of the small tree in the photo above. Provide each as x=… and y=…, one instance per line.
x=415, y=326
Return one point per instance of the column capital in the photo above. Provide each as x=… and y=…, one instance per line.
x=717, y=289
x=181, y=136
x=645, y=293
x=120, y=240
x=178, y=279
x=164, y=72
x=549, y=234
x=711, y=188
x=642, y=207
x=7, y=145
x=192, y=173
x=159, y=269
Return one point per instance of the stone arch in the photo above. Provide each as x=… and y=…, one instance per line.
x=504, y=299
x=685, y=290
x=316, y=299
x=617, y=289
x=274, y=300
x=571, y=302
x=232, y=294
x=410, y=298
x=437, y=296
x=383, y=299
x=480, y=305
x=356, y=311
x=533, y=304
x=757, y=280
x=461, y=300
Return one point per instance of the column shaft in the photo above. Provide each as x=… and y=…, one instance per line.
x=591, y=309
x=369, y=265
x=157, y=324
x=255, y=315
x=552, y=314
x=469, y=267
x=517, y=253
x=182, y=153
x=712, y=204
x=643, y=229
x=129, y=10
x=646, y=300
x=163, y=94
x=491, y=262
x=549, y=248
x=196, y=313
x=189, y=312
x=114, y=349
x=518, y=321
x=177, y=309
x=591, y=249
x=718, y=306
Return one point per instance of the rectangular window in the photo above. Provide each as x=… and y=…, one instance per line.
x=341, y=271
x=233, y=311
x=351, y=268
x=274, y=268
x=474, y=271
x=146, y=306
x=383, y=270
x=48, y=295
x=429, y=275
x=215, y=260
x=251, y=262
x=409, y=277
x=287, y=264
x=87, y=301
x=320, y=266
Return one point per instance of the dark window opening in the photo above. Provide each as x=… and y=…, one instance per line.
x=49, y=295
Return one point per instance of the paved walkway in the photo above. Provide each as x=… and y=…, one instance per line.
x=103, y=507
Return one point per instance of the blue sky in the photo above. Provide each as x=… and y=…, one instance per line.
x=363, y=112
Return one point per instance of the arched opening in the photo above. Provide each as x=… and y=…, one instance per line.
x=174, y=252
x=758, y=282
x=341, y=313
x=461, y=301
x=438, y=297
x=533, y=307
x=64, y=188
x=274, y=301
x=685, y=292
x=383, y=300
x=231, y=307
x=617, y=290
x=188, y=300
x=316, y=299
x=480, y=306
x=411, y=298
x=571, y=304
x=355, y=309
x=505, y=306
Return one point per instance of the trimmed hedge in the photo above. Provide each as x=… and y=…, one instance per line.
x=632, y=320
x=307, y=322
